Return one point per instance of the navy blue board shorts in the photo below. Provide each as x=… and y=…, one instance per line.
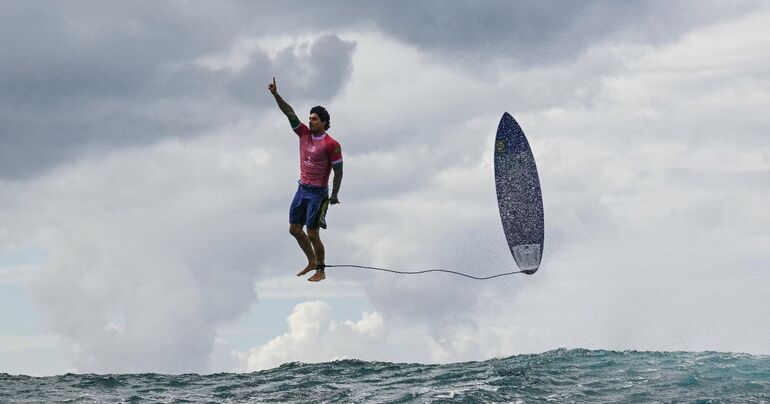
x=309, y=206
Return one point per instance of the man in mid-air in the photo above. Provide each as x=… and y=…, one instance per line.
x=319, y=154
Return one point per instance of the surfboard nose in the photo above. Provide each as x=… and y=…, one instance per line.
x=504, y=127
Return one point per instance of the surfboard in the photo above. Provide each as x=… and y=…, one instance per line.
x=519, y=197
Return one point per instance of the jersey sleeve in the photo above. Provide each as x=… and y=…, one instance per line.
x=301, y=130
x=335, y=153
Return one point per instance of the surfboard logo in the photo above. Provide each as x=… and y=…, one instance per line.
x=500, y=145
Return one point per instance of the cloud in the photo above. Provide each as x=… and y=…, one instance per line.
x=535, y=33
x=313, y=337
x=146, y=253
x=17, y=273
x=89, y=79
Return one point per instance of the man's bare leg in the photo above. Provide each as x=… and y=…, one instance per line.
x=304, y=243
x=320, y=254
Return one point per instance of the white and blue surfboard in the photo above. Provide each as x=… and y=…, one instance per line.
x=519, y=197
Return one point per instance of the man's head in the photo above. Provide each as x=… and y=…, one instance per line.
x=319, y=119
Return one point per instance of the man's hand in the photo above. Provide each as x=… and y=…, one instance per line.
x=273, y=87
x=334, y=200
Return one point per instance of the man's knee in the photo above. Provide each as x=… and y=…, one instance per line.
x=296, y=230
x=313, y=234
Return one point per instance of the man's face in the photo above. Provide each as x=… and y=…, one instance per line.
x=315, y=123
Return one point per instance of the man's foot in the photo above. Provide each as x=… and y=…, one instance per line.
x=318, y=276
x=310, y=266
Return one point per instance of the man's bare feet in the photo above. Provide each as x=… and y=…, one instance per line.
x=310, y=266
x=318, y=276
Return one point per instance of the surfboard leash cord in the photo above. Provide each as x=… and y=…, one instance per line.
x=479, y=278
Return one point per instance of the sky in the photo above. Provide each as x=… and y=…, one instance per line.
x=146, y=174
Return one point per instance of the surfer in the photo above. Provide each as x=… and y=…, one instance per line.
x=319, y=154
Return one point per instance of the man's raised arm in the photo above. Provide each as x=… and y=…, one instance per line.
x=283, y=105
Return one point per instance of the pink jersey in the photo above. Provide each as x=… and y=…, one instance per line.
x=317, y=155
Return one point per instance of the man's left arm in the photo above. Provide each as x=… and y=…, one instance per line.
x=337, y=182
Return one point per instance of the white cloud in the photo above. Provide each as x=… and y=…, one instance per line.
x=314, y=337
x=150, y=249
x=10, y=343
x=286, y=285
x=18, y=273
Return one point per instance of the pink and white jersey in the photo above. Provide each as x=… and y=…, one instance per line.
x=317, y=155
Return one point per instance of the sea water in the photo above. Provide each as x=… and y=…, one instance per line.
x=559, y=376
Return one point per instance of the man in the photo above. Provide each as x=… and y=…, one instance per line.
x=319, y=154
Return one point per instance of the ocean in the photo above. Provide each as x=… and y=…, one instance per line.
x=560, y=376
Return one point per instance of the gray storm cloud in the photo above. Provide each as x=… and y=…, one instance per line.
x=91, y=78
x=94, y=76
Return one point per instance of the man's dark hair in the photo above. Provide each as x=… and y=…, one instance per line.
x=323, y=114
